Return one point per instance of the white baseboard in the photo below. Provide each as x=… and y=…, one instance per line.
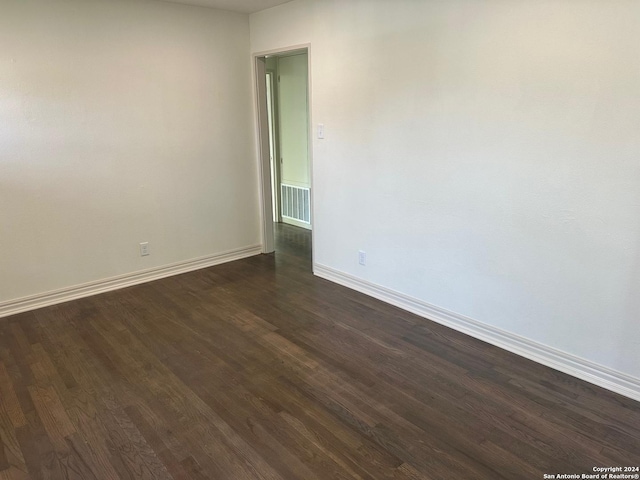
x=578, y=367
x=32, y=302
x=296, y=223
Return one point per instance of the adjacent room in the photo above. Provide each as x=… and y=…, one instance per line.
x=368, y=239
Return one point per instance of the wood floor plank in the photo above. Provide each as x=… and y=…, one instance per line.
x=53, y=415
x=10, y=401
x=168, y=459
x=184, y=402
x=256, y=369
x=11, y=456
x=40, y=454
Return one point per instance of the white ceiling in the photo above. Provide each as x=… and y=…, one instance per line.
x=242, y=6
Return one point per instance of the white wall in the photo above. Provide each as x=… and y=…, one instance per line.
x=293, y=115
x=121, y=122
x=293, y=81
x=485, y=155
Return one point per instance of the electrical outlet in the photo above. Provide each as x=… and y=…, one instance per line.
x=144, y=249
x=362, y=257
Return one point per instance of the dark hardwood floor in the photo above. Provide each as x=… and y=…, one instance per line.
x=257, y=369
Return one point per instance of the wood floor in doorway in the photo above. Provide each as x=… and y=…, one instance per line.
x=256, y=369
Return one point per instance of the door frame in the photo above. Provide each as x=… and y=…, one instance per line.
x=274, y=135
x=262, y=137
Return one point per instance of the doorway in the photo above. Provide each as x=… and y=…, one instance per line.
x=282, y=86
